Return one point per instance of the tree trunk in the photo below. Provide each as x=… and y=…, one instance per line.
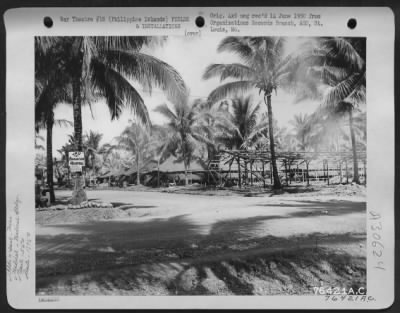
x=49, y=155
x=79, y=194
x=137, y=169
x=356, y=178
x=277, y=182
x=307, y=174
x=77, y=109
x=186, y=174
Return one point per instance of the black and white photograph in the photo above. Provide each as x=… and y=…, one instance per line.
x=200, y=165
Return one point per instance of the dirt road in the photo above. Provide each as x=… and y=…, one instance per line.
x=157, y=242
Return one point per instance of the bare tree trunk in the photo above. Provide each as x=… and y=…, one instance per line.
x=186, y=174
x=79, y=194
x=49, y=155
x=137, y=169
x=277, y=182
x=356, y=178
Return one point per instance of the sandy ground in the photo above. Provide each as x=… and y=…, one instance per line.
x=178, y=243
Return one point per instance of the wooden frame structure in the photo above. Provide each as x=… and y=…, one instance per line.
x=248, y=167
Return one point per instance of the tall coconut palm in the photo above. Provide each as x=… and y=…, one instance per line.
x=263, y=67
x=136, y=140
x=340, y=65
x=247, y=128
x=51, y=88
x=91, y=144
x=215, y=117
x=185, y=131
x=103, y=66
x=302, y=127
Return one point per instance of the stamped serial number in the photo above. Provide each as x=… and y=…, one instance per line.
x=339, y=291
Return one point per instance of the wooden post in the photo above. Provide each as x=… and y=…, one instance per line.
x=347, y=173
x=365, y=172
x=263, y=173
x=158, y=173
x=290, y=176
x=239, y=173
x=251, y=172
x=285, y=161
x=340, y=171
x=327, y=170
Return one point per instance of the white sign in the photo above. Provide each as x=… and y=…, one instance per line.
x=76, y=158
x=75, y=168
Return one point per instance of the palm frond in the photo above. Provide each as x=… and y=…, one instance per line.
x=118, y=92
x=238, y=46
x=227, y=90
x=224, y=71
x=149, y=72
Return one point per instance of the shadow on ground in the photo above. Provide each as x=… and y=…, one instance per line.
x=175, y=256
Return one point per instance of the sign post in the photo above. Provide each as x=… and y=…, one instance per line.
x=76, y=162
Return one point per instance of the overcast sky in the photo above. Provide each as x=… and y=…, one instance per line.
x=190, y=57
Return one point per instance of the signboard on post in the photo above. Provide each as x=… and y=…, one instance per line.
x=76, y=161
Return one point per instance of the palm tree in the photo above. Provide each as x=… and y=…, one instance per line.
x=340, y=65
x=302, y=128
x=103, y=65
x=51, y=88
x=247, y=128
x=91, y=144
x=185, y=131
x=264, y=67
x=38, y=138
x=135, y=139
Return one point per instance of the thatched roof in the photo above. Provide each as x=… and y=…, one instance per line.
x=171, y=165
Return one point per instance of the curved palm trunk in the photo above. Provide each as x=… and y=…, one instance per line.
x=356, y=178
x=277, y=182
x=49, y=156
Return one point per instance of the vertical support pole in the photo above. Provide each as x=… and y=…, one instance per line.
x=251, y=172
x=263, y=173
x=285, y=161
x=239, y=173
x=365, y=172
x=327, y=170
x=347, y=173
